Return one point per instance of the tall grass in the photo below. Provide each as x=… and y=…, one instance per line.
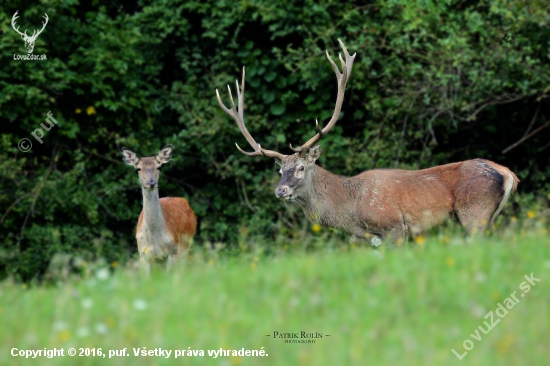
x=404, y=306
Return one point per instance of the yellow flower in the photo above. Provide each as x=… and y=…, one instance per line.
x=111, y=322
x=505, y=343
x=114, y=264
x=316, y=228
x=531, y=214
x=513, y=219
x=253, y=266
x=419, y=240
x=78, y=111
x=495, y=295
x=236, y=360
x=90, y=110
x=24, y=286
x=450, y=261
x=64, y=335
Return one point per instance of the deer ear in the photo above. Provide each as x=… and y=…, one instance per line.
x=313, y=154
x=165, y=154
x=129, y=157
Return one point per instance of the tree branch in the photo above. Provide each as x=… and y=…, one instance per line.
x=524, y=138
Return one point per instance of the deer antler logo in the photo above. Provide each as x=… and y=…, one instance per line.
x=29, y=40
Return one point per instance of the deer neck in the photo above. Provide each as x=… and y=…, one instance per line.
x=327, y=197
x=153, y=220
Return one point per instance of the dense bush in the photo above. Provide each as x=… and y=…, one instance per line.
x=432, y=83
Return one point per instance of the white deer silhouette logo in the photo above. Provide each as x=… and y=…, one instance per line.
x=29, y=40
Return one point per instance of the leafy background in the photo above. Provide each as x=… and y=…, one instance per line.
x=433, y=82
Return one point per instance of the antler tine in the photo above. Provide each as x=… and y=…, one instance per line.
x=35, y=33
x=13, y=23
x=43, y=24
x=238, y=116
x=342, y=79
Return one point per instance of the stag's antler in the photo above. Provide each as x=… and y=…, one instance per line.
x=238, y=116
x=13, y=25
x=43, y=26
x=342, y=79
x=25, y=35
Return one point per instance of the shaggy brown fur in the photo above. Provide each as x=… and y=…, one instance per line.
x=392, y=203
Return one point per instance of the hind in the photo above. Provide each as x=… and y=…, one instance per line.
x=481, y=192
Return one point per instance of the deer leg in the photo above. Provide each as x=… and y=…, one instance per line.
x=475, y=220
x=144, y=265
x=176, y=258
x=476, y=216
x=179, y=256
x=144, y=261
x=397, y=235
x=173, y=259
x=478, y=199
x=182, y=251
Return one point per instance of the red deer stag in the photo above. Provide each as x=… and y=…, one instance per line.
x=165, y=226
x=385, y=203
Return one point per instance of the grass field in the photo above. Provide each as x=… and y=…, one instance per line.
x=405, y=306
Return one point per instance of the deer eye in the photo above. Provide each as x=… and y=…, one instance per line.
x=301, y=168
x=158, y=168
x=138, y=170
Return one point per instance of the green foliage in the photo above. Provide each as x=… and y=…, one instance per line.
x=415, y=303
x=433, y=82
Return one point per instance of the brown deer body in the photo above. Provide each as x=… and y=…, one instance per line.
x=387, y=203
x=393, y=204
x=166, y=226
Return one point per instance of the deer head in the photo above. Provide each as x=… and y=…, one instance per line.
x=148, y=168
x=296, y=169
x=29, y=40
x=296, y=172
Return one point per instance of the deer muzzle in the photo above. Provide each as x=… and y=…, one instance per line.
x=283, y=192
x=151, y=184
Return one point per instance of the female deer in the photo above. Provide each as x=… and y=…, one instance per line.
x=167, y=225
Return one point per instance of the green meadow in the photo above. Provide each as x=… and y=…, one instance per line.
x=434, y=82
x=409, y=305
